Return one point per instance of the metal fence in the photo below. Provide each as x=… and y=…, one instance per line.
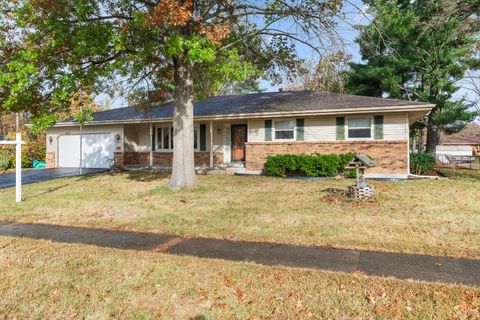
x=461, y=161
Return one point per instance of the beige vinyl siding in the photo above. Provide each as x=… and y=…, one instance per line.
x=395, y=126
x=320, y=129
x=131, y=138
x=218, y=132
x=256, y=130
x=143, y=138
x=137, y=138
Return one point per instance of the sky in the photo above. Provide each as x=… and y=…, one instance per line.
x=354, y=15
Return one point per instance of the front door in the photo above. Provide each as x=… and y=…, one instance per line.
x=239, y=137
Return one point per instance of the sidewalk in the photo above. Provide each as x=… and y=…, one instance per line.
x=398, y=265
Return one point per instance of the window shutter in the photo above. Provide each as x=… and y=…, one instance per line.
x=153, y=138
x=268, y=130
x=378, y=131
x=300, y=129
x=203, y=137
x=340, y=128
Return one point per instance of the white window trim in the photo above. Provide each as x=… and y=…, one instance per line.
x=274, y=122
x=372, y=128
x=157, y=149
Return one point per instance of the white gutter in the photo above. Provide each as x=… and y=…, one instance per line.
x=265, y=115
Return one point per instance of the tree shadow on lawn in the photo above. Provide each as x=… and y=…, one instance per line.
x=73, y=180
x=138, y=176
x=143, y=175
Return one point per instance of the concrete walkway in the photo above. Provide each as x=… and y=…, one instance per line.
x=39, y=175
x=401, y=266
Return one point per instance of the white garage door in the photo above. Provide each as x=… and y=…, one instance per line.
x=97, y=150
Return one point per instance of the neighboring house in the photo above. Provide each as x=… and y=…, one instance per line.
x=463, y=143
x=246, y=129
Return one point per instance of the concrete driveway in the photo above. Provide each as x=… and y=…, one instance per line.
x=39, y=175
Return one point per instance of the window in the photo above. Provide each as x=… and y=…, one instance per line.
x=359, y=128
x=165, y=138
x=284, y=130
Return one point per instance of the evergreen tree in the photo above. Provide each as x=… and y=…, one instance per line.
x=419, y=50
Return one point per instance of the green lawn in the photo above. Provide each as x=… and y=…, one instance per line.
x=45, y=280
x=431, y=217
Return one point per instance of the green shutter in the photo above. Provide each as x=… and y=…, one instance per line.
x=340, y=128
x=203, y=137
x=300, y=129
x=378, y=132
x=268, y=130
x=153, y=138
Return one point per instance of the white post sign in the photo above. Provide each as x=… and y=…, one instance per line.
x=18, y=161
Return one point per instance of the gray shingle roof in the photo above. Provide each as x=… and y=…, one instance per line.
x=287, y=101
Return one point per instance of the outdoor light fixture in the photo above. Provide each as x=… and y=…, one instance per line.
x=50, y=139
x=219, y=130
x=118, y=138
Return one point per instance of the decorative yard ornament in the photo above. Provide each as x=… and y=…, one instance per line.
x=362, y=190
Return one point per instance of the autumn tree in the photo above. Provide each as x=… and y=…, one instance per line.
x=420, y=50
x=190, y=48
x=327, y=75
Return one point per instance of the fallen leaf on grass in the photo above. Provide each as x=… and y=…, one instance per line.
x=240, y=294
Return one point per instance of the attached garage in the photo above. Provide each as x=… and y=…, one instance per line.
x=97, y=149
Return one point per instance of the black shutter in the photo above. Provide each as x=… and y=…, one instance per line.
x=203, y=137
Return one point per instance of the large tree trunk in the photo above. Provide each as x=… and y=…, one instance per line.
x=183, y=171
x=432, y=136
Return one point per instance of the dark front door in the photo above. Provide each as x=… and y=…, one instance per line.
x=239, y=137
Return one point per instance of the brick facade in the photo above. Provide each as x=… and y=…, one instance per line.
x=391, y=157
x=50, y=159
x=162, y=158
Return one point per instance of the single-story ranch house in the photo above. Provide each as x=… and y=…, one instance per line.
x=245, y=130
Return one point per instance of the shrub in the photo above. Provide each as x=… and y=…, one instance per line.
x=5, y=161
x=351, y=173
x=279, y=165
x=33, y=149
x=421, y=163
x=316, y=165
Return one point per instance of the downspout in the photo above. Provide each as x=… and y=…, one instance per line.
x=407, y=130
x=151, y=145
x=211, y=144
